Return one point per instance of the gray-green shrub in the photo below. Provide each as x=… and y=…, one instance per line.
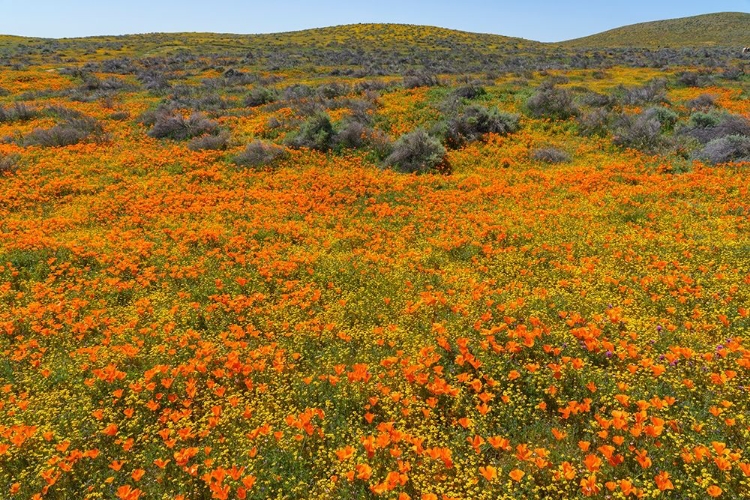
x=67, y=133
x=315, y=133
x=476, y=121
x=259, y=154
x=416, y=152
x=551, y=102
x=550, y=154
x=177, y=127
x=209, y=142
x=731, y=148
x=259, y=96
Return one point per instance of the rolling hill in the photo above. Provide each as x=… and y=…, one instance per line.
x=380, y=49
x=360, y=38
x=725, y=29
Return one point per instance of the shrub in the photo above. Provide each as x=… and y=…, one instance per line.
x=706, y=127
x=260, y=96
x=733, y=73
x=332, y=90
x=177, y=127
x=260, y=154
x=476, y=121
x=601, y=75
x=5, y=115
x=693, y=79
x=666, y=117
x=119, y=116
x=594, y=122
x=22, y=112
x=416, y=152
x=370, y=86
x=703, y=101
x=421, y=80
x=361, y=110
x=18, y=112
x=380, y=144
x=211, y=103
x=155, y=81
x=550, y=155
x=652, y=92
x=315, y=133
x=551, y=102
x=470, y=91
x=553, y=79
x=732, y=148
x=64, y=113
x=91, y=82
x=642, y=132
x=209, y=142
x=700, y=119
x=8, y=164
x=69, y=132
x=352, y=135
x=297, y=91
x=597, y=100
x=149, y=117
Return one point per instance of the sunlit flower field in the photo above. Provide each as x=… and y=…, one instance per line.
x=176, y=326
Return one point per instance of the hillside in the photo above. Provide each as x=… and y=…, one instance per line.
x=394, y=37
x=390, y=49
x=725, y=29
x=380, y=44
x=372, y=262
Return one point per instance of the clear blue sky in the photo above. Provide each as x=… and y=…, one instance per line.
x=543, y=20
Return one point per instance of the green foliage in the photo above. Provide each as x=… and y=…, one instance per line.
x=665, y=116
x=651, y=92
x=595, y=122
x=722, y=29
x=642, y=132
x=259, y=96
x=699, y=119
x=471, y=91
x=476, y=121
x=553, y=102
x=416, y=152
x=706, y=127
x=315, y=133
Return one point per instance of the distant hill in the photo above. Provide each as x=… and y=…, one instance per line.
x=725, y=29
x=360, y=50
x=393, y=38
x=382, y=48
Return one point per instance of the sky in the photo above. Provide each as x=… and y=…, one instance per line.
x=541, y=20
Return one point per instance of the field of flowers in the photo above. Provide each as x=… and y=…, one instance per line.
x=175, y=325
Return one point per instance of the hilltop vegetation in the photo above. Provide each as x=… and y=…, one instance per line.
x=308, y=266
x=725, y=29
x=384, y=49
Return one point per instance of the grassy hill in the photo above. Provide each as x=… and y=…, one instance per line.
x=356, y=39
x=390, y=49
x=393, y=37
x=725, y=29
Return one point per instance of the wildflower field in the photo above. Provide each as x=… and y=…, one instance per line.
x=232, y=281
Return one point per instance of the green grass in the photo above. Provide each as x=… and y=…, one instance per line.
x=724, y=29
